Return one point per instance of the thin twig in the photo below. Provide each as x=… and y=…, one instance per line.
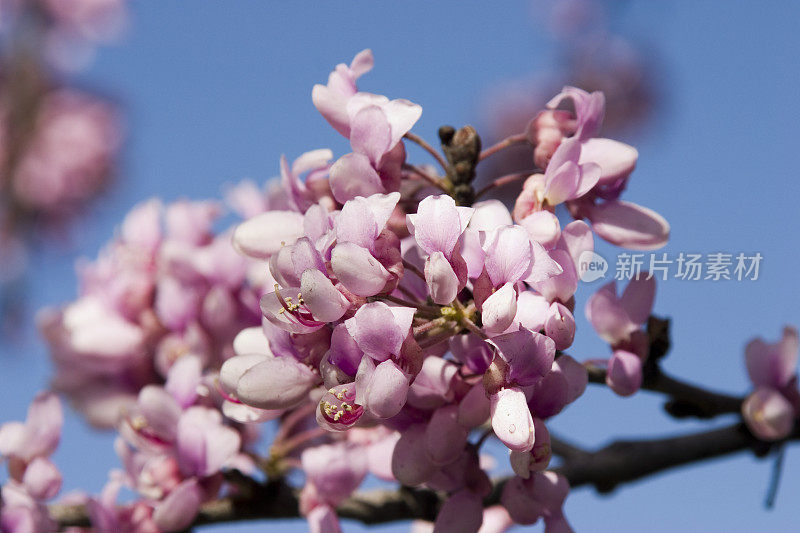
x=432, y=324
x=502, y=145
x=470, y=325
x=433, y=180
x=413, y=137
x=430, y=310
x=287, y=445
x=413, y=269
x=503, y=180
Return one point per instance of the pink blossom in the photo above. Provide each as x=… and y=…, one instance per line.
x=331, y=99
x=772, y=409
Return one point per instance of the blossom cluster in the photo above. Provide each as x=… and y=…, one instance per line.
x=436, y=319
x=32, y=477
x=385, y=323
x=166, y=287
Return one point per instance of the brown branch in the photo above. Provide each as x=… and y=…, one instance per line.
x=626, y=461
x=615, y=464
x=685, y=399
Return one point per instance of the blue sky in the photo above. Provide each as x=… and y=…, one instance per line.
x=215, y=91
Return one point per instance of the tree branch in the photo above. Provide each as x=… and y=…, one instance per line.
x=615, y=464
x=685, y=399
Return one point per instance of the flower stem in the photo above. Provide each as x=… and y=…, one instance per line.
x=503, y=180
x=416, y=139
x=422, y=173
x=408, y=266
x=511, y=140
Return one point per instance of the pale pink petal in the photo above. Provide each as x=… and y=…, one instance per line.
x=410, y=463
x=563, y=182
x=353, y=175
x=176, y=512
x=381, y=206
x=474, y=408
x=508, y=254
x=370, y=133
x=323, y=519
x=489, y=215
x=773, y=365
x=629, y=225
x=560, y=326
x=624, y=373
x=499, y=309
x=358, y=270
x=443, y=283
x=542, y=227
x=325, y=301
x=575, y=373
x=276, y=383
x=576, y=238
x=251, y=341
x=532, y=310
x=402, y=116
x=616, y=160
x=438, y=224
x=545, y=264
x=311, y=160
x=590, y=175
x=42, y=479
x=386, y=391
x=638, y=297
x=511, y=419
x=264, y=234
x=362, y=63
x=333, y=107
x=609, y=319
x=378, y=331
x=529, y=355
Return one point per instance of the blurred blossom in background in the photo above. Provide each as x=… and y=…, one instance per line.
x=58, y=142
x=587, y=52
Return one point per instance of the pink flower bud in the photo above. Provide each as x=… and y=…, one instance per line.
x=42, y=479
x=560, y=326
x=511, y=419
x=624, y=374
x=768, y=415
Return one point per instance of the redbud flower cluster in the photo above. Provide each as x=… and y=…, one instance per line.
x=431, y=318
x=384, y=320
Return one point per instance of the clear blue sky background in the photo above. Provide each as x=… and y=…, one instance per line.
x=216, y=91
